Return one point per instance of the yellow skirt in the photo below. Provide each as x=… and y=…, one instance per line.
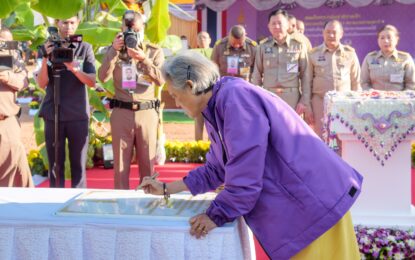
x=338, y=243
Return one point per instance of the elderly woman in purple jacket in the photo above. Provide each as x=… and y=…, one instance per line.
x=293, y=192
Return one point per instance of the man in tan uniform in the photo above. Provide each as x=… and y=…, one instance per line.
x=134, y=119
x=300, y=26
x=14, y=169
x=281, y=63
x=335, y=67
x=293, y=30
x=235, y=54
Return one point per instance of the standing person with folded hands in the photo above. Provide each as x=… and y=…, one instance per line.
x=296, y=202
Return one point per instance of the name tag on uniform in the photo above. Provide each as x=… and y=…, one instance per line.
x=292, y=67
x=232, y=65
x=129, y=80
x=396, y=78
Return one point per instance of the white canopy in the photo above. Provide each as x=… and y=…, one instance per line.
x=261, y=5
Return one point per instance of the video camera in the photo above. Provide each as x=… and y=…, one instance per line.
x=6, y=61
x=130, y=36
x=61, y=54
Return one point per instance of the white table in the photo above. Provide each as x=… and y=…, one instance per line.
x=376, y=130
x=30, y=229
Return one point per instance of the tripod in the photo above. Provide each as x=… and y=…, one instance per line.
x=56, y=72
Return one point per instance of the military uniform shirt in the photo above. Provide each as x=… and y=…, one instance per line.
x=393, y=73
x=282, y=66
x=246, y=57
x=338, y=70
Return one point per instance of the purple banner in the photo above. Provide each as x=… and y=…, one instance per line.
x=360, y=24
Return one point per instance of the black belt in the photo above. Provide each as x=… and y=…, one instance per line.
x=135, y=106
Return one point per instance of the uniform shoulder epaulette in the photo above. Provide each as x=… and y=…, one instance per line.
x=404, y=53
x=348, y=48
x=252, y=42
x=220, y=41
x=315, y=49
x=264, y=40
x=372, y=53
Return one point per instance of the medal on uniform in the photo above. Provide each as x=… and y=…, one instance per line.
x=292, y=67
x=129, y=80
x=268, y=50
x=321, y=58
x=233, y=62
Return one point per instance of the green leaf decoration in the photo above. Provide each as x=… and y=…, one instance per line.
x=159, y=22
x=7, y=6
x=59, y=9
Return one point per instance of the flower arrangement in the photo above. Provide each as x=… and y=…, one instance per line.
x=385, y=243
x=194, y=151
x=36, y=164
x=34, y=105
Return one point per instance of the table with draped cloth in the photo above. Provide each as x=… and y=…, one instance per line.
x=31, y=229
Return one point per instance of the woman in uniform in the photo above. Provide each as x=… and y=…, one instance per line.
x=388, y=68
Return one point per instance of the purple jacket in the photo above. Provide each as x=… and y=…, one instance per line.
x=289, y=186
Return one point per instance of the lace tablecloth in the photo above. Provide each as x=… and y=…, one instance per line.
x=30, y=229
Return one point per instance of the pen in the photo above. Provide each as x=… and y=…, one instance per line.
x=153, y=177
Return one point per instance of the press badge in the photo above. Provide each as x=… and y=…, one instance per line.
x=292, y=67
x=396, y=78
x=232, y=65
x=128, y=76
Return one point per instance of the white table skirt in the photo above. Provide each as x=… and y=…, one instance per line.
x=29, y=229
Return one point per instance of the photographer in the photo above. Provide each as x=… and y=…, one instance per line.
x=14, y=169
x=74, y=105
x=134, y=118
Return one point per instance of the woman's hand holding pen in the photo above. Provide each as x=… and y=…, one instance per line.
x=152, y=186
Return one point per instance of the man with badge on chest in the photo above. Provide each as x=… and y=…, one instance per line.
x=334, y=66
x=134, y=119
x=235, y=54
x=281, y=63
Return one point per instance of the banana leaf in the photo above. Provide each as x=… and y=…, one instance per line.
x=115, y=7
x=95, y=101
x=59, y=9
x=23, y=34
x=8, y=6
x=97, y=35
x=159, y=22
x=24, y=15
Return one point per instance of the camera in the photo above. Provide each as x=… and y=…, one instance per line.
x=6, y=61
x=130, y=37
x=61, y=54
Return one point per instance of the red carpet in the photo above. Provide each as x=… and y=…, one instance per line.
x=100, y=178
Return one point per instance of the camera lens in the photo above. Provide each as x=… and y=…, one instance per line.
x=131, y=40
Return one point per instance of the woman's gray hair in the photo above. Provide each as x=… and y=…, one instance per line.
x=191, y=65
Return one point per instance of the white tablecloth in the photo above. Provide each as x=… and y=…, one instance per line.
x=29, y=229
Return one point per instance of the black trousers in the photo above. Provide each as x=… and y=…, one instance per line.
x=76, y=132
